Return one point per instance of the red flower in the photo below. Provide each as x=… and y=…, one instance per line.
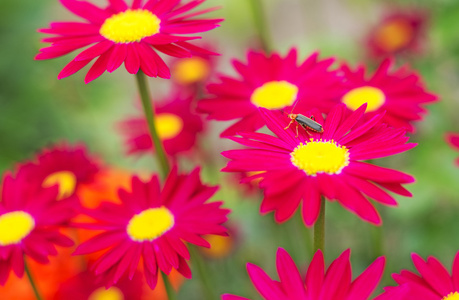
x=399, y=31
x=177, y=127
x=133, y=35
x=152, y=225
x=399, y=93
x=434, y=282
x=306, y=165
x=453, y=141
x=274, y=83
x=331, y=284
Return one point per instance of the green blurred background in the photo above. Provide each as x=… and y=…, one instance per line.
x=37, y=110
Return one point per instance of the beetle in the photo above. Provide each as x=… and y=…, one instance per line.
x=305, y=122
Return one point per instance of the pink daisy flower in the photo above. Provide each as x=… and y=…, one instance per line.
x=151, y=226
x=400, y=93
x=270, y=82
x=453, y=141
x=398, y=31
x=331, y=284
x=434, y=281
x=303, y=166
x=176, y=124
x=67, y=166
x=131, y=34
x=29, y=225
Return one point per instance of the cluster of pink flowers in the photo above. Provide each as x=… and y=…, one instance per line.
x=326, y=124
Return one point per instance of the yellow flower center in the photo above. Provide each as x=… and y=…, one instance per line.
x=451, y=296
x=66, y=181
x=320, y=157
x=112, y=293
x=191, y=70
x=274, y=95
x=394, y=35
x=150, y=224
x=14, y=227
x=168, y=125
x=130, y=26
x=220, y=246
x=373, y=97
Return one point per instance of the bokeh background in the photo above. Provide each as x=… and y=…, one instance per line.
x=37, y=110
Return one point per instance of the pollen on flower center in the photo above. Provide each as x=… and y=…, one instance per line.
x=191, y=70
x=394, y=35
x=130, y=26
x=168, y=125
x=112, y=293
x=275, y=95
x=150, y=224
x=15, y=226
x=320, y=157
x=451, y=296
x=66, y=181
x=373, y=97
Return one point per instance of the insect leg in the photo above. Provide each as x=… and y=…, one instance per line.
x=291, y=121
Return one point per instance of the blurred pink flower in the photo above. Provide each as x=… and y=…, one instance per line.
x=400, y=93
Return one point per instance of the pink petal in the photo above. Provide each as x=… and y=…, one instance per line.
x=99, y=67
x=173, y=50
x=289, y=275
x=86, y=10
x=315, y=275
x=132, y=62
x=337, y=279
x=264, y=285
x=72, y=67
x=119, y=54
x=375, y=173
x=95, y=51
x=366, y=283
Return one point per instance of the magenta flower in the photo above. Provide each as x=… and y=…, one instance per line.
x=400, y=93
x=320, y=284
x=309, y=165
x=434, y=282
x=130, y=34
x=271, y=82
x=29, y=224
x=152, y=225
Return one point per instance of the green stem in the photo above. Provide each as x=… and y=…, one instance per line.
x=150, y=116
x=260, y=24
x=206, y=284
x=171, y=295
x=32, y=282
x=319, y=228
